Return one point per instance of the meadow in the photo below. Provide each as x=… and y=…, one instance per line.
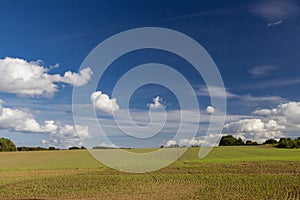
x=226, y=173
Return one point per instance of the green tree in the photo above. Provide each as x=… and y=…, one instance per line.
x=7, y=145
x=74, y=148
x=52, y=148
x=229, y=140
x=249, y=142
x=239, y=141
x=289, y=143
x=271, y=141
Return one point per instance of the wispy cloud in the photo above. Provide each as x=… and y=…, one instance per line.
x=214, y=91
x=262, y=70
x=273, y=83
x=272, y=24
x=203, y=14
x=249, y=97
x=276, y=10
x=217, y=92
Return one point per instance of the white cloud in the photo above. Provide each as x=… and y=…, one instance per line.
x=171, y=143
x=249, y=97
x=67, y=136
x=255, y=129
x=31, y=78
x=263, y=112
x=270, y=123
x=272, y=24
x=210, y=109
x=74, y=79
x=19, y=120
x=219, y=92
x=191, y=142
x=103, y=144
x=103, y=102
x=44, y=141
x=16, y=120
x=157, y=104
x=209, y=140
x=261, y=71
x=285, y=113
x=272, y=10
x=215, y=92
x=273, y=83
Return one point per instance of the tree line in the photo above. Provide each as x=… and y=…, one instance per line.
x=8, y=145
x=229, y=140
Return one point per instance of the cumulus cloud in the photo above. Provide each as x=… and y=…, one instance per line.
x=170, y=143
x=262, y=70
x=44, y=141
x=103, y=144
x=31, y=78
x=103, y=102
x=272, y=10
x=22, y=121
x=255, y=129
x=285, y=113
x=157, y=104
x=74, y=79
x=191, y=142
x=16, y=120
x=269, y=123
x=209, y=140
x=67, y=136
x=210, y=109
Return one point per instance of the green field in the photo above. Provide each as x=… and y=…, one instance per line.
x=226, y=173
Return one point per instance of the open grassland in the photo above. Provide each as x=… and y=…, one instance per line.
x=226, y=173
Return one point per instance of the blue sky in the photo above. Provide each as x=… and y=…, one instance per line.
x=255, y=45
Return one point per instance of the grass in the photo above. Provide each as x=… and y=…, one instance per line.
x=226, y=173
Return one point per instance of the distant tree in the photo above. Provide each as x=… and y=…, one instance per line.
x=239, y=141
x=31, y=149
x=271, y=141
x=22, y=149
x=102, y=147
x=298, y=142
x=229, y=140
x=249, y=142
x=51, y=148
x=74, y=148
x=289, y=143
x=7, y=145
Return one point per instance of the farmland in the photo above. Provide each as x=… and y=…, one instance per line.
x=226, y=173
